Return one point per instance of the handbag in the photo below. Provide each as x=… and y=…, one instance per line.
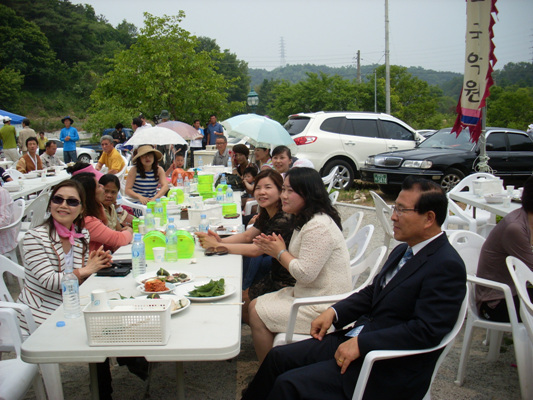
x=234, y=180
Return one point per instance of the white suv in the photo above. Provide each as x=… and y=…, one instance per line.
x=346, y=139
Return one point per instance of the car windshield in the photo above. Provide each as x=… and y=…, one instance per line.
x=444, y=139
x=296, y=125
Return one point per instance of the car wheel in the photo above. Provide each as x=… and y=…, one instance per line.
x=452, y=177
x=85, y=158
x=345, y=174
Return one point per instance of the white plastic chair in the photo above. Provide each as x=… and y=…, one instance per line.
x=50, y=372
x=136, y=206
x=377, y=355
x=331, y=178
x=358, y=243
x=467, y=182
x=370, y=264
x=384, y=213
x=467, y=244
x=35, y=212
x=333, y=196
x=16, y=376
x=522, y=276
x=18, y=212
x=352, y=224
x=464, y=219
x=248, y=206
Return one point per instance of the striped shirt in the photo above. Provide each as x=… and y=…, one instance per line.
x=8, y=238
x=44, y=261
x=147, y=186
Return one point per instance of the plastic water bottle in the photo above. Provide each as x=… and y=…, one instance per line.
x=179, y=182
x=200, y=162
x=71, y=292
x=229, y=194
x=187, y=185
x=230, y=165
x=138, y=261
x=220, y=196
x=223, y=179
x=158, y=210
x=204, y=224
x=149, y=221
x=195, y=176
x=171, y=253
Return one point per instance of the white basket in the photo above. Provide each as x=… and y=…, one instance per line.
x=131, y=322
x=210, y=211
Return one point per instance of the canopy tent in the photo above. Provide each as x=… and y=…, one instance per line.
x=15, y=118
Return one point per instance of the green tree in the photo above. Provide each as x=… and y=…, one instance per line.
x=10, y=85
x=25, y=49
x=161, y=70
x=510, y=107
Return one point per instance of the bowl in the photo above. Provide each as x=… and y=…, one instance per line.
x=495, y=198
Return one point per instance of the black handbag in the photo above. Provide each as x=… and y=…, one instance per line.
x=234, y=180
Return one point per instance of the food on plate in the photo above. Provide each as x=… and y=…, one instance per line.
x=211, y=289
x=162, y=272
x=153, y=296
x=232, y=216
x=219, y=251
x=155, y=285
x=174, y=304
x=176, y=277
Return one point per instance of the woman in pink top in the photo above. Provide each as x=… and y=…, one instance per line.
x=95, y=219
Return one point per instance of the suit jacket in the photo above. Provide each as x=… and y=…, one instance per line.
x=416, y=309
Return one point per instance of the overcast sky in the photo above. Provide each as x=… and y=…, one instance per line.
x=426, y=33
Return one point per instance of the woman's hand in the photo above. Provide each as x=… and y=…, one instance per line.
x=270, y=245
x=98, y=259
x=209, y=239
x=143, y=199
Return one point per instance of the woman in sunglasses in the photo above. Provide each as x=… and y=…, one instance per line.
x=47, y=248
x=95, y=219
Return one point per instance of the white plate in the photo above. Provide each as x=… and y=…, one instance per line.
x=183, y=290
x=170, y=288
x=175, y=298
x=152, y=274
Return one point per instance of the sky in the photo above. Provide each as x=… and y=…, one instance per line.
x=423, y=33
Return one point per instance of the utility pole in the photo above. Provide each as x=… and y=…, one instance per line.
x=282, y=52
x=358, y=66
x=387, y=61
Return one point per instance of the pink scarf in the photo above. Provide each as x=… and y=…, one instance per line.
x=65, y=233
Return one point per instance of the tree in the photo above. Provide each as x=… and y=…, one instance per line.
x=227, y=64
x=160, y=71
x=10, y=85
x=510, y=107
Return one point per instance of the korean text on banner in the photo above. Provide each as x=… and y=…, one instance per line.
x=479, y=64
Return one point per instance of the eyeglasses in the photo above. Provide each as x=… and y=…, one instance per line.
x=400, y=210
x=70, y=202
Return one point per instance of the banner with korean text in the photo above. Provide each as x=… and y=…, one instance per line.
x=479, y=64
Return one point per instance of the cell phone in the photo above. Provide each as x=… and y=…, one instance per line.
x=116, y=269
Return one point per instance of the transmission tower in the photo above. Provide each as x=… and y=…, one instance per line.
x=282, y=52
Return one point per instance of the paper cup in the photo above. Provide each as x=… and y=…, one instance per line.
x=507, y=202
x=159, y=254
x=157, y=222
x=510, y=190
x=99, y=300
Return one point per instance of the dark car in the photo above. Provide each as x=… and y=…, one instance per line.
x=446, y=159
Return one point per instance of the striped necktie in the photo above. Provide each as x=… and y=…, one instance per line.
x=406, y=257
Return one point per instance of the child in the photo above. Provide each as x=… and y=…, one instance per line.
x=176, y=168
x=248, y=177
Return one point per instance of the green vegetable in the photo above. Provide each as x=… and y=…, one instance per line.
x=162, y=272
x=211, y=289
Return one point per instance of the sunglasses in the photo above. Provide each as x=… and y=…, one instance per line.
x=70, y=202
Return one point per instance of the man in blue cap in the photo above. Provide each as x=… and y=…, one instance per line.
x=69, y=136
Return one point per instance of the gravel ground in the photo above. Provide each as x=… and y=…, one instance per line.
x=220, y=380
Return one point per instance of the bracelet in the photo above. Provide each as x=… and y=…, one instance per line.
x=280, y=253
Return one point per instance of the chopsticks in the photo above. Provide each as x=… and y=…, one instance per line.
x=218, y=304
x=107, y=291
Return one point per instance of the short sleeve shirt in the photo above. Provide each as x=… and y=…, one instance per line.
x=113, y=160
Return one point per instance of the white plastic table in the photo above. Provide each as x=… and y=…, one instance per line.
x=480, y=202
x=204, y=331
x=37, y=184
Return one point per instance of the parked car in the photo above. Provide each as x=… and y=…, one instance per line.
x=84, y=154
x=346, y=139
x=447, y=158
x=426, y=132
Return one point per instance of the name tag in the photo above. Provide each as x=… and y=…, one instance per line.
x=355, y=331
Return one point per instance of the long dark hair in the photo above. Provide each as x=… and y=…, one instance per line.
x=278, y=181
x=308, y=184
x=78, y=222
x=105, y=179
x=92, y=208
x=140, y=167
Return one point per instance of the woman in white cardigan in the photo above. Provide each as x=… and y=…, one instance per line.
x=317, y=258
x=48, y=247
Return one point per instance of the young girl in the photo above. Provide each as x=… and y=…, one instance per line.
x=146, y=175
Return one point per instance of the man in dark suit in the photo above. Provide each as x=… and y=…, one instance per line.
x=412, y=304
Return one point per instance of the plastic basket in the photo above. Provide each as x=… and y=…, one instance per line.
x=131, y=322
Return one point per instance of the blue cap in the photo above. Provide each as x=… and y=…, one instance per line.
x=137, y=237
x=60, y=324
